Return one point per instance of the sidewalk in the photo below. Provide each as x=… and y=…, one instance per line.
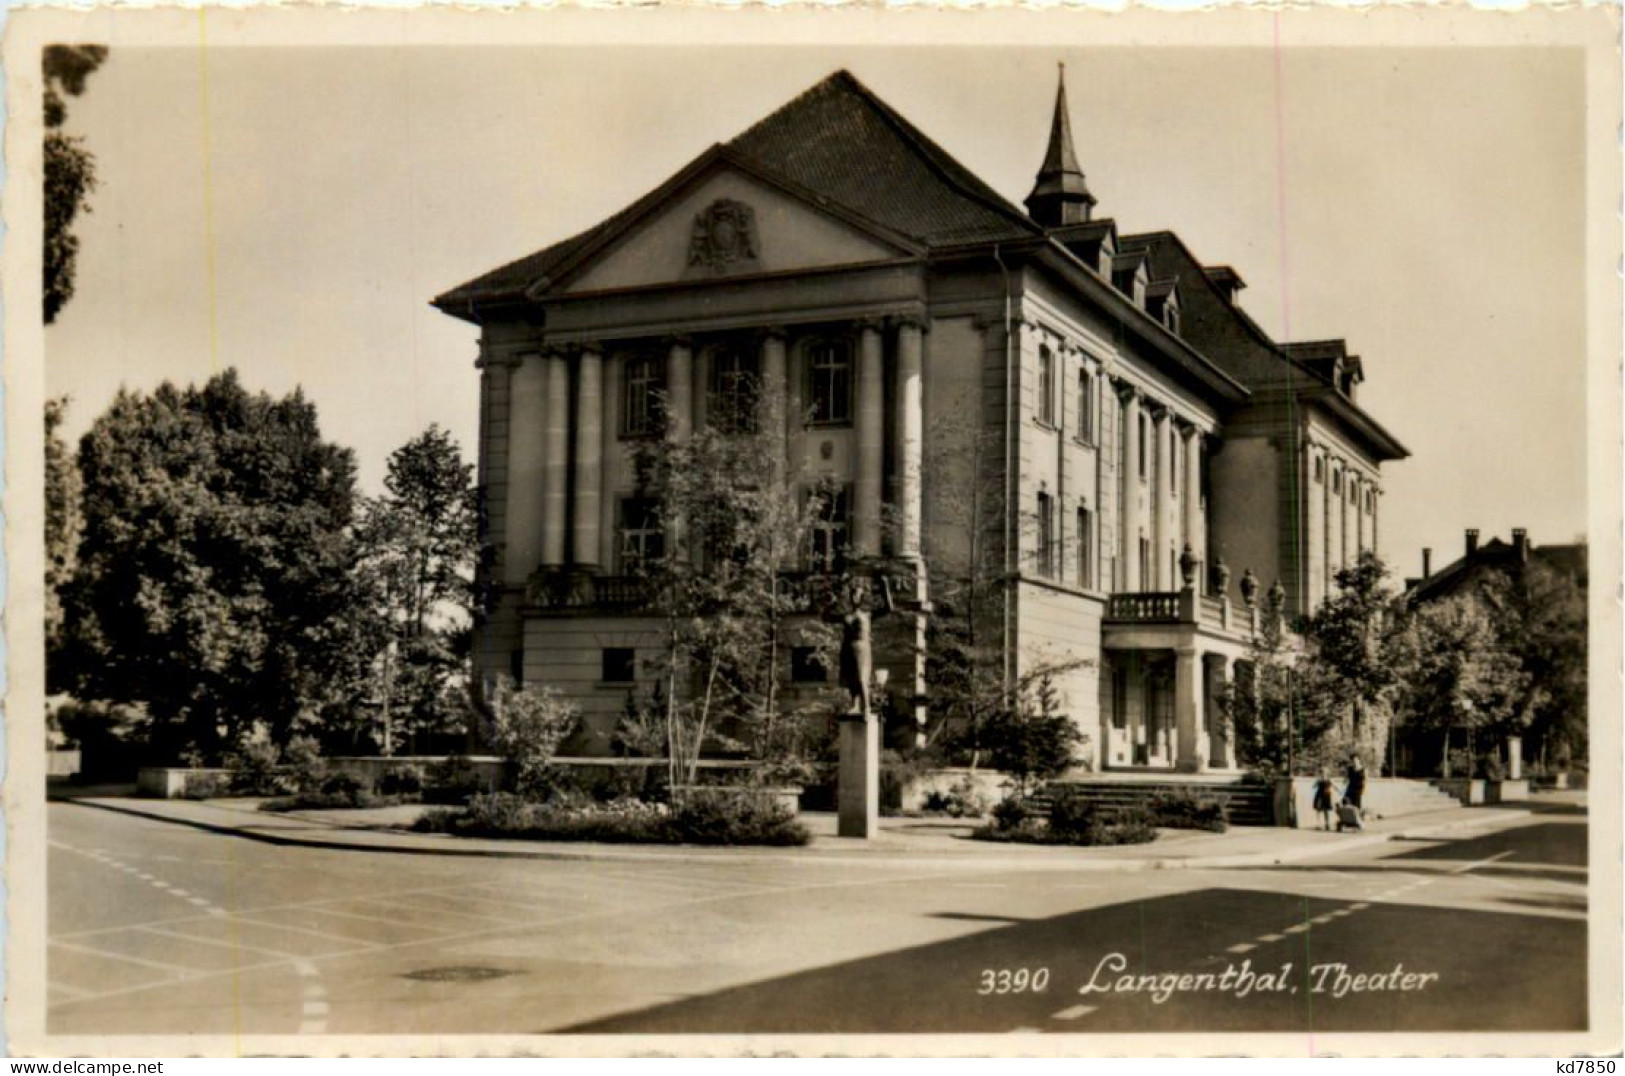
x=915, y=841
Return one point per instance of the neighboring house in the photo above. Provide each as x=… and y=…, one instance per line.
x=1154, y=449
x=1495, y=556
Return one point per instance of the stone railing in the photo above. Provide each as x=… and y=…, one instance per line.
x=1145, y=607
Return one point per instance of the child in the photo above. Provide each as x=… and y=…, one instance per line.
x=1348, y=816
x=1323, y=799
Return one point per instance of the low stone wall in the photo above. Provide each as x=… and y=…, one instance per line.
x=169, y=782
x=991, y=785
x=1477, y=790
x=62, y=763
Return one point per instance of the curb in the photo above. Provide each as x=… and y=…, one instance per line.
x=684, y=853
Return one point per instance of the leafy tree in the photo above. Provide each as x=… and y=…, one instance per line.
x=527, y=727
x=1540, y=618
x=62, y=528
x=1457, y=673
x=214, y=582
x=70, y=168
x=1034, y=741
x=735, y=527
x=1351, y=647
x=416, y=552
x=1279, y=705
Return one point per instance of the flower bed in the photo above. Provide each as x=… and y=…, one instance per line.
x=1071, y=820
x=714, y=819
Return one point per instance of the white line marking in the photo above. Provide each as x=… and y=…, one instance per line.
x=1074, y=1012
x=1297, y=928
x=173, y=969
x=1360, y=907
x=1270, y=937
x=181, y=893
x=1322, y=919
x=1482, y=862
x=1242, y=948
x=199, y=901
x=315, y=1008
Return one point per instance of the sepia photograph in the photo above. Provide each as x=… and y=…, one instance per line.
x=629, y=531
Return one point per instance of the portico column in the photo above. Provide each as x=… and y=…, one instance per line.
x=1189, y=724
x=679, y=389
x=1227, y=747
x=556, y=458
x=910, y=435
x=1192, y=494
x=527, y=454
x=589, y=476
x=775, y=389
x=870, y=444
x=609, y=437
x=1160, y=500
x=1134, y=571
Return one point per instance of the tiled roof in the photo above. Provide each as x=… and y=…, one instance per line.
x=842, y=143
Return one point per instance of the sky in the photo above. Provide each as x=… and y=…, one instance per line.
x=291, y=212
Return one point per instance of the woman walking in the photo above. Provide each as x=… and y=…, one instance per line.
x=1355, y=791
x=1323, y=798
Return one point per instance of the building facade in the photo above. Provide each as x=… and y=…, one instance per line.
x=1151, y=460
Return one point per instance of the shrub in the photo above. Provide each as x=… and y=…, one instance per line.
x=1010, y=812
x=1031, y=741
x=528, y=725
x=714, y=818
x=204, y=786
x=1184, y=810
x=736, y=818
x=452, y=780
x=1073, y=818
x=404, y=781
x=899, y=770
x=302, y=764
x=257, y=770
x=343, y=784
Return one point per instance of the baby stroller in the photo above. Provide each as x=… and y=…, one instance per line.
x=1348, y=816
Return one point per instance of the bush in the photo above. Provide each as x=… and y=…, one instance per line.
x=404, y=781
x=452, y=781
x=961, y=800
x=898, y=771
x=302, y=764
x=1073, y=818
x=257, y=770
x=1010, y=812
x=714, y=818
x=1185, y=810
x=204, y=786
x=343, y=784
x=528, y=725
x=1031, y=741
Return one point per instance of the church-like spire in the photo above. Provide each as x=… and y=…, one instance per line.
x=1060, y=196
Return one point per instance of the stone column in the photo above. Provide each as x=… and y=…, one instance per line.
x=609, y=433
x=870, y=435
x=910, y=434
x=679, y=389
x=776, y=389
x=496, y=374
x=1190, y=724
x=589, y=477
x=1221, y=737
x=1160, y=501
x=1133, y=570
x=857, y=786
x=527, y=451
x=556, y=459
x=1192, y=494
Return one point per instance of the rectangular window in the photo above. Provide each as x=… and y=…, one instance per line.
x=1145, y=564
x=829, y=534
x=806, y=667
x=829, y=382
x=1086, y=407
x=1144, y=444
x=640, y=405
x=732, y=407
x=1086, y=549
x=1046, y=386
x=643, y=542
x=1173, y=462
x=620, y=665
x=1046, y=536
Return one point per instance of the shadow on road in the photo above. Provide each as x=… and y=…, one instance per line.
x=1494, y=971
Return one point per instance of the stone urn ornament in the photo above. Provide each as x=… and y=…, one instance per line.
x=1187, y=566
x=1249, y=588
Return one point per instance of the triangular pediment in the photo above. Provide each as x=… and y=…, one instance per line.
x=722, y=223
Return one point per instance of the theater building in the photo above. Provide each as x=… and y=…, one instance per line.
x=1161, y=463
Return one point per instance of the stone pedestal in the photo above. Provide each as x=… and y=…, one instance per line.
x=858, y=787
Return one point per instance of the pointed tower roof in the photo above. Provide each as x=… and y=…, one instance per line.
x=1060, y=195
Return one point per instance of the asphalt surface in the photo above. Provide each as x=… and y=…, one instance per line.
x=159, y=928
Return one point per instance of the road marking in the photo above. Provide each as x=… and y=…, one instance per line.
x=1242, y=948
x=172, y=969
x=1321, y=919
x=181, y=893
x=1297, y=928
x=1074, y=1012
x=979, y=885
x=1360, y=907
x=199, y=901
x=1482, y=863
x=315, y=1008
x=1270, y=937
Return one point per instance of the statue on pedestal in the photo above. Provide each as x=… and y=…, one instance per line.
x=857, y=664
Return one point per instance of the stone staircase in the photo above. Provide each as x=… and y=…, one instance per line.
x=1247, y=803
x=1391, y=798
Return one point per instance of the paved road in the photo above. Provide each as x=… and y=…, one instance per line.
x=161, y=928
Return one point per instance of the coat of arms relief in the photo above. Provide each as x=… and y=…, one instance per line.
x=724, y=237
